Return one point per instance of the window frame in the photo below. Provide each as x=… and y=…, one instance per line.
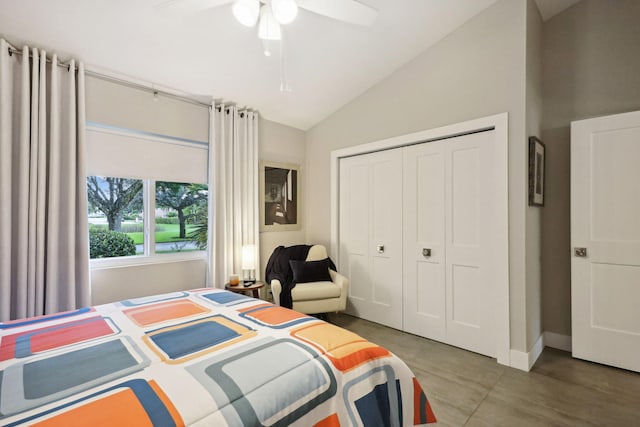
x=148, y=256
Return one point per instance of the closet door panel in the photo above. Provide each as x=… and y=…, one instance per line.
x=385, y=238
x=371, y=235
x=465, y=295
x=354, y=228
x=464, y=191
x=424, y=224
x=468, y=290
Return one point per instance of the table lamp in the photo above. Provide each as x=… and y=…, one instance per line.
x=249, y=262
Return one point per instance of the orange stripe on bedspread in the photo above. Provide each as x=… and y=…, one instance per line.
x=121, y=408
x=345, y=349
x=331, y=421
x=168, y=404
x=273, y=315
x=156, y=313
x=422, y=412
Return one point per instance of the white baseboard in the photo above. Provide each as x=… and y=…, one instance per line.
x=525, y=360
x=519, y=360
x=559, y=341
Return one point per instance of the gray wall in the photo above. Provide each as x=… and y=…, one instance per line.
x=591, y=67
x=135, y=108
x=476, y=71
x=283, y=144
x=533, y=118
x=134, y=281
x=124, y=106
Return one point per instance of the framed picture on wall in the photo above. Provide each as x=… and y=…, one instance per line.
x=536, y=172
x=279, y=196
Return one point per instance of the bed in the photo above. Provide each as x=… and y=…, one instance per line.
x=204, y=357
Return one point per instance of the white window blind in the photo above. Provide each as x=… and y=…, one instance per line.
x=128, y=153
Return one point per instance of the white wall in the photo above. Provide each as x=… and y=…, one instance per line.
x=283, y=144
x=476, y=71
x=591, y=67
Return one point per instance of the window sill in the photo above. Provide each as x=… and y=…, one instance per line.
x=132, y=261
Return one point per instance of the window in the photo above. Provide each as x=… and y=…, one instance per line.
x=147, y=194
x=180, y=217
x=117, y=217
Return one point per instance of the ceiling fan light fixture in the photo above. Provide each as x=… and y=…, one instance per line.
x=246, y=12
x=285, y=11
x=268, y=28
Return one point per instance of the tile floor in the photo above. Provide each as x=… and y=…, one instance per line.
x=467, y=389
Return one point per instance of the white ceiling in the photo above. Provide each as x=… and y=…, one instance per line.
x=328, y=63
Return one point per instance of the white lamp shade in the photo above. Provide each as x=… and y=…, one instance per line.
x=246, y=11
x=285, y=11
x=248, y=257
x=268, y=29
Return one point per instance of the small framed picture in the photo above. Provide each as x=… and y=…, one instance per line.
x=536, y=172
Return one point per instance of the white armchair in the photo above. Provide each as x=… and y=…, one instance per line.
x=316, y=297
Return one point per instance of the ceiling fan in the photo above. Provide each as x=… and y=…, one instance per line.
x=271, y=14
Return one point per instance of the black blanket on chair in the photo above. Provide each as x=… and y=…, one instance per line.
x=278, y=268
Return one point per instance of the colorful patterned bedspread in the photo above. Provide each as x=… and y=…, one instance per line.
x=200, y=358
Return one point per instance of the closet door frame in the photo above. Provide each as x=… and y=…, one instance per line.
x=500, y=268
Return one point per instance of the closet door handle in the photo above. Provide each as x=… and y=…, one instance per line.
x=426, y=252
x=580, y=252
x=380, y=249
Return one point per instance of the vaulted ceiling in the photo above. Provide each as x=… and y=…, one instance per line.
x=327, y=63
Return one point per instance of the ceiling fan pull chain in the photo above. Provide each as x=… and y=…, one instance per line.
x=284, y=83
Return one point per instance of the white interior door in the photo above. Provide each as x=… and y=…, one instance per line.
x=469, y=192
x=605, y=222
x=354, y=231
x=448, y=241
x=371, y=235
x=424, y=240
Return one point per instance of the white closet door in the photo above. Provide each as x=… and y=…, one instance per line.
x=447, y=241
x=424, y=240
x=354, y=231
x=605, y=222
x=468, y=206
x=371, y=235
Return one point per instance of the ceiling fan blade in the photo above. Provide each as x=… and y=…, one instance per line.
x=350, y=11
x=189, y=5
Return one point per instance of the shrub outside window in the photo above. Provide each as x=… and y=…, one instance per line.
x=118, y=207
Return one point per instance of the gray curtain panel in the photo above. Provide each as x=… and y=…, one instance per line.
x=44, y=255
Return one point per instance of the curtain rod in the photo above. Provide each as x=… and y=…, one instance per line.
x=144, y=87
x=14, y=51
x=134, y=85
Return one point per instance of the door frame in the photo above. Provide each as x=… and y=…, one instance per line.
x=499, y=124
